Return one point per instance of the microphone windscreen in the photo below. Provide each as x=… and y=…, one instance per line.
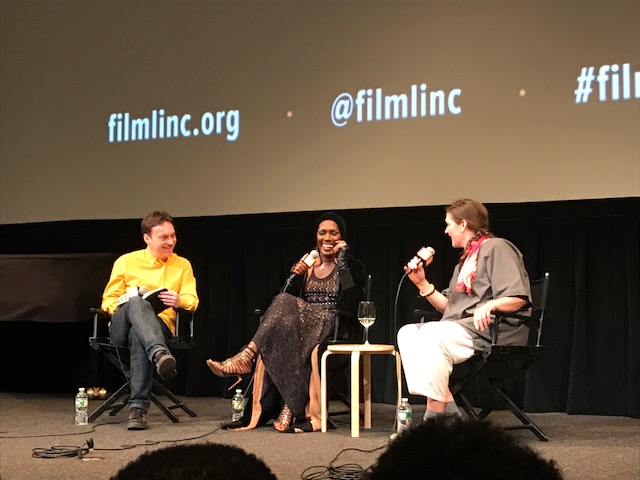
x=142, y=290
x=311, y=258
x=426, y=252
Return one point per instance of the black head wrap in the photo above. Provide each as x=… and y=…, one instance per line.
x=342, y=226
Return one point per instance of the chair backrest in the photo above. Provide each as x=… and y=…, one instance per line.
x=539, y=293
x=348, y=329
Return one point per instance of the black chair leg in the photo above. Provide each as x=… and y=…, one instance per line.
x=471, y=412
x=110, y=403
x=527, y=423
x=159, y=389
x=466, y=406
x=163, y=408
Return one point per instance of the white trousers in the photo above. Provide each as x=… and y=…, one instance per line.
x=429, y=351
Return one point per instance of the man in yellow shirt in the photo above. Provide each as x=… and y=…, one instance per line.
x=134, y=322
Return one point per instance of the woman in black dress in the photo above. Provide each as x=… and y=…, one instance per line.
x=285, y=346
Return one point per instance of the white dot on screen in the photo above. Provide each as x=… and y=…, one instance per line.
x=522, y=92
x=289, y=114
x=195, y=132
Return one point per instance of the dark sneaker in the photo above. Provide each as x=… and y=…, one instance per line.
x=136, y=419
x=165, y=364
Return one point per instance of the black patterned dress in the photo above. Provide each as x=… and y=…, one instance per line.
x=288, y=333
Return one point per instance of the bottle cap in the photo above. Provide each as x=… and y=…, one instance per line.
x=81, y=389
x=404, y=399
x=238, y=390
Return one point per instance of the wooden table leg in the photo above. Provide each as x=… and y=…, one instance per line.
x=323, y=390
x=366, y=388
x=355, y=394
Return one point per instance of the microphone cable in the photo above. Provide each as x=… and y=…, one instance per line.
x=395, y=330
x=63, y=451
x=395, y=310
x=346, y=471
x=70, y=451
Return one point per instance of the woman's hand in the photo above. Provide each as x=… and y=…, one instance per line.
x=300, y=268
x=339, y=244
x=482, y=315
x=415, y=270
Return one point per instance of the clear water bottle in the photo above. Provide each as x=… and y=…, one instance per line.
x=237, y=405
x=82, y=407
x=404, y=415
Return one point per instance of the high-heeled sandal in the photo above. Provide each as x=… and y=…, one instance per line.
x=284, y=421
x=305, y=427
x=240, y=364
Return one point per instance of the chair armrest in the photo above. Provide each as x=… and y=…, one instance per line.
x=427, y=315
x=98, y=315
x=501, y=316
x=184, y=325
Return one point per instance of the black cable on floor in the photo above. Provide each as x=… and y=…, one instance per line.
x=346, y=471
x=128, y=446
x=63, y=451
x=93, y=429
x=69, y=451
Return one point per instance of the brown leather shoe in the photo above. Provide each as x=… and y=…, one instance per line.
x=137, y=419
x=165, y=364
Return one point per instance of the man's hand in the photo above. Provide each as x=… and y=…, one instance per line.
x=170, y=298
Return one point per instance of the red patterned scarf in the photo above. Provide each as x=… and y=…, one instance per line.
x=468, y=269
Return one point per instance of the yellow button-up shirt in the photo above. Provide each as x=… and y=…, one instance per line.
x=140, y=268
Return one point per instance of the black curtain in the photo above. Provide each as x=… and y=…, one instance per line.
x=589, y=247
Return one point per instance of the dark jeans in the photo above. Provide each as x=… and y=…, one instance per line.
x=135, y=325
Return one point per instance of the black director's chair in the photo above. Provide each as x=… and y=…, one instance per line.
x=118, y=356
x=498, y=366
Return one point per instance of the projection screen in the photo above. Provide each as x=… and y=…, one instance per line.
x=113, y=108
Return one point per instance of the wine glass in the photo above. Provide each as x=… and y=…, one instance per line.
x=366, y=316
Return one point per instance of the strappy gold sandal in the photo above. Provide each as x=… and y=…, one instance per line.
x=284, y=421
x=238, y=365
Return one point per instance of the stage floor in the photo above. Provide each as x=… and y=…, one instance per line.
x=585, y=447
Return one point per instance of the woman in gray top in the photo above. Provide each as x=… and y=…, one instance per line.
x=490, y=276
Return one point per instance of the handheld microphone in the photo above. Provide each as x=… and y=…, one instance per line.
x=132, y=291
x=423, y=255
x=308, y=259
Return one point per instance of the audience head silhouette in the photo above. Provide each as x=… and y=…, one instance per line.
x=447, y=448
x=208, y=461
